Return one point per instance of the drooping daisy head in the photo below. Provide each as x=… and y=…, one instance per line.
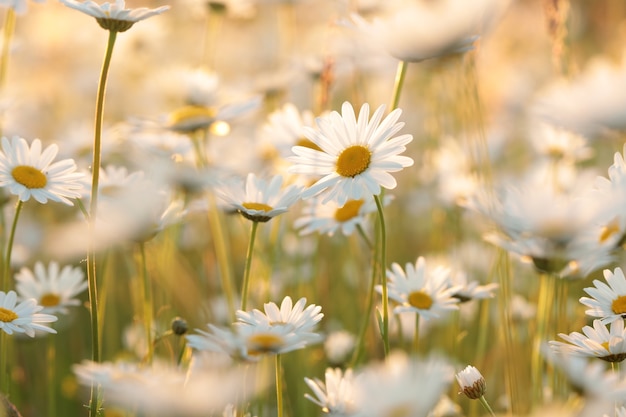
x=260, y=200
x=607, y=301
x=24, y=317
x=422, y=291
x=471, y=382
x=114, y=16
x=596, y=341
x=357, y=154
x=28, y=171
x=54, y=288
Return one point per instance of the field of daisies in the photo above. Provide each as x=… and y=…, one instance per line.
x=293, y=208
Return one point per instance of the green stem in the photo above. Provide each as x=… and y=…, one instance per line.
x=5, y=380
x=542, y=333
x=416, y=335
x=147, y=302
x=360, y=345
x=6, y=276
x=246, y=273
x=485, y=404
x=222, y=254
x=52, y=384
x=398, y=84
x=383, y=273
x=279, y=386
x=94, y=400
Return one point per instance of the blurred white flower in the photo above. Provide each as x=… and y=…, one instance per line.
x=336, y=394
x=55, y=289
x=114, y=16
x=338, y=346
x=20, y=6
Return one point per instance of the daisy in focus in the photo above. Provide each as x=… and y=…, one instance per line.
x=357, y=154
x=55, y=289
x=114, y=16
x=596, y=341
x=330, y=217
x=471, y=382
x=607, y=301
x=335, y=395
x=24, y=317
x=260, y=200
x=28, y=171
x=418, y=290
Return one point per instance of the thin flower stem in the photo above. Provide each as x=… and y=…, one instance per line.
x=246, y=273
x=5, y=381
x=371, y=294
x=383, y=273
x=94, y=400
x=416, y=335
x=147, y=302
x=51, y=359
x=544, y=328
x=398, y=84
x=279, y=386
x=485, y=404
x=364, y=236
x=6, y=275
x=222, y=254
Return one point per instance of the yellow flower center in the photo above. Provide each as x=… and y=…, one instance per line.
x=606, y=346
x=348, y=211
x=402, y=410
x=191, y=117
x=7, y=316
x=353, y=160
x=264, y=343
x=308, y=144
x=421, y=300
x=258, y=206
x=609, y=230
x=619, y=305
x=50, y=300
x=29, y=177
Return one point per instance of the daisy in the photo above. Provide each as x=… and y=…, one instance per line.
x=357, y=154
x=261, y=200
x=54, y=288
x=28, y=172
x=329, y=217
x=427, y=293
x=24, y=317
x=161, y=390
x=18, y=5
x=471, y=382
x=338, y=346
x=596, y=342
x=401, y=386
x=611, y=192
x=114, y=16
x=471, y=290
x=284, y=129
x=335, y=395
x=607, y=301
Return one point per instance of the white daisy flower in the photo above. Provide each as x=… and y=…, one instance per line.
x=29, y=172
x=471, y=382
x=161, y=390
x=338, y=346
x=18, y=5
x=284, y=129
x=401, y=385
x=54, y=288
x=607, y=301
x=260, y=200
x=329, y=217
x=427, y=293
x=293, y=318
x=357, y=154
x=471, y=290
x=114, y=16
x=596, y=341
x=335, y=395
x=24, y=317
